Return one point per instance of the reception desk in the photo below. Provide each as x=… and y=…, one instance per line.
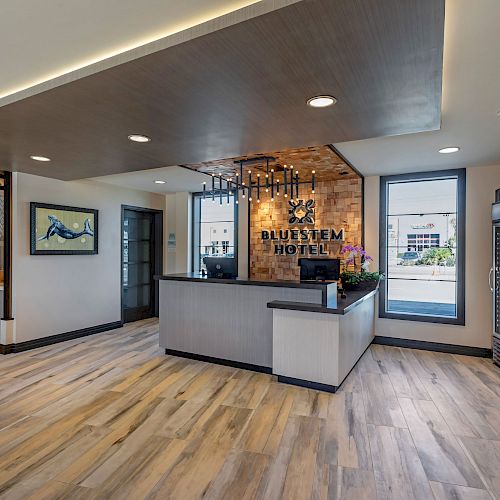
x=258, y=325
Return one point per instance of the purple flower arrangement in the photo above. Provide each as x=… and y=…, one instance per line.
x=354, y=252
x=356, y=274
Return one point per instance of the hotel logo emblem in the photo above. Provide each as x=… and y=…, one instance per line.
x=301, y=212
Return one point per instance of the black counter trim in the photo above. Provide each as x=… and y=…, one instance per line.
x=321, y=286
x=61, y=337
x=219, y=361
x=353, y=300
x=480, y=352
x=317, y=386
x=277, y=284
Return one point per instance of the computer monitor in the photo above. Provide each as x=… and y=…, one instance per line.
x=319, y=269
x=221, y=267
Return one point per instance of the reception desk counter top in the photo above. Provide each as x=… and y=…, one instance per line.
x=352, y=300
x=328, y=288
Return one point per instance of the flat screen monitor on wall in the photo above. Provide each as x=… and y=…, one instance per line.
x=319, y=269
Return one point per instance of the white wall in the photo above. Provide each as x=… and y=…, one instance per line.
x=179, y=223
x=481, y=185
x=58, y=294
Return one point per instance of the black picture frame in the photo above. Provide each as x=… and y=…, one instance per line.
x=33, y=235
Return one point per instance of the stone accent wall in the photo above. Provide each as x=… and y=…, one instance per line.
x=338, y=205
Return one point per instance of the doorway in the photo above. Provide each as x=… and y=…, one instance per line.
x=141, y=260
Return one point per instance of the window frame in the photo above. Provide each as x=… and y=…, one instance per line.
x=385, y=181
x=196, y=226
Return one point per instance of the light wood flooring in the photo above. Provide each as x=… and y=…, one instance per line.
x=109, y=416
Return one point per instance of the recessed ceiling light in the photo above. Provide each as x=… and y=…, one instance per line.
x=321, y=101
x=159, y=182
x=139, y=138
x=449, y=150
x=39, y=158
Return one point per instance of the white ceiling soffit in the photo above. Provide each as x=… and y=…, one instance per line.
x=177, y=179
x=47, y=43
x=471, y=102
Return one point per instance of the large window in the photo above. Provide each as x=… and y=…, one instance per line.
x=214, y=228
x=422, y=246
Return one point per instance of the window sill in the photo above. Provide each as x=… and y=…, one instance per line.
x=460, y=321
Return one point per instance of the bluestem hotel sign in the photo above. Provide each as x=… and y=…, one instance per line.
x=302, y=240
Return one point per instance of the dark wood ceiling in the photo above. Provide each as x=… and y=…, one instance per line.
x=242, y=90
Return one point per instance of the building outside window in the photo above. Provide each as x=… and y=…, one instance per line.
x=422, y=251
x=214, y=229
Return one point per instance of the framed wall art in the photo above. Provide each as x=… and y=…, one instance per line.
x=62, y=230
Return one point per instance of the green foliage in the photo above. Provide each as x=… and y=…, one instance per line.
x=438, y=256
x=355, y=278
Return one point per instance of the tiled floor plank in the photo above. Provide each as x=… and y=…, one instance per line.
x=111, y=416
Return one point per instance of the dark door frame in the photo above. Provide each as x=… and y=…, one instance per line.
x=158, y=254
x=7, y=208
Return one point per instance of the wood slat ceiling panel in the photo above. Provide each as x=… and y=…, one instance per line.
x=322, y=159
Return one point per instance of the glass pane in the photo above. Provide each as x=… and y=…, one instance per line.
x=135, y=274
x=213, y=212
x=416, y=233
x=496, y=283
x=137, y=251
x=422, y=197
x=434, y=264
x=137, y=229
x=215, y=233
x=139, y=296
x=216, y=229
x=431, y=298
x=216, y=251
x=422, y=248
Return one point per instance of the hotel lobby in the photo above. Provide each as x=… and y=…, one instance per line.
x=248, y=250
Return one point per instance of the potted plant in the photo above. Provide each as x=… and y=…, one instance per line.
x=356, y=274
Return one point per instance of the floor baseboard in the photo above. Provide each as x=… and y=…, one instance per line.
x=61, y=337
x=479, y=352
x=219, y=361
x=317, y=386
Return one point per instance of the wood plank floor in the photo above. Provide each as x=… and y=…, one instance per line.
x=110, y=416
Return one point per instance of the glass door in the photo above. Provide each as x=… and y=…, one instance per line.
x=496, y=278
x=138, y=254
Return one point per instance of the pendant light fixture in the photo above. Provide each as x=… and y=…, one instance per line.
x=267, y=175
x=285, y=181
x=242, y=180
